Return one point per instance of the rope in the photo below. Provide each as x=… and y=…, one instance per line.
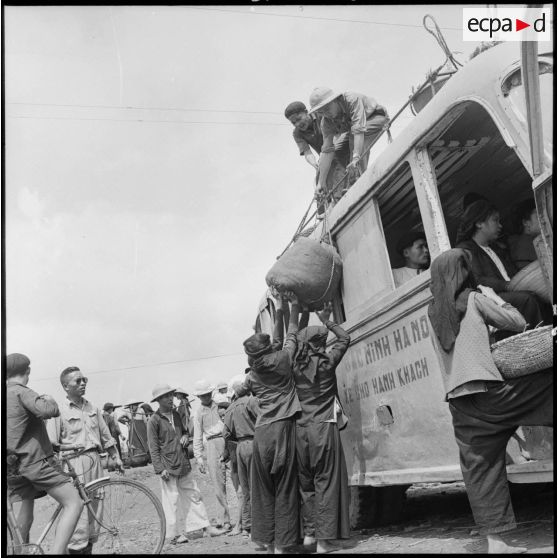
x=441, y=41
x=328, y=231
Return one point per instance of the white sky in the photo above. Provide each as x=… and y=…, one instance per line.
x=136, y=237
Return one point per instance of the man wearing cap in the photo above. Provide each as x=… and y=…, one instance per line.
x=240, y=419
x=208, y=423
x=112, y=423
x=168, y=442
x=274, y=492
x=413, y=249
x=32, y=470
x=354, y=113
x=81, y=425
x=307, y=135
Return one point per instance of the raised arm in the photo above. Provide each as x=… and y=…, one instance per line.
x=304, y=318
x=343, y=340
x=290, y=341
x=277, y=343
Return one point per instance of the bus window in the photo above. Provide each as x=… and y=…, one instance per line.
x=471, y=160
x=403, y=228
x=366, y=272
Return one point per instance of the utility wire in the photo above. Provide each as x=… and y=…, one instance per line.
x=146, y=365
x=130, y=107
x=149, y=120
x=317, y=18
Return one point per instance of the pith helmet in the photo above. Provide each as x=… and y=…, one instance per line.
x=222, y=385
x=203, y=386
x=181, y=390
x=159, y=390
x=320, y=97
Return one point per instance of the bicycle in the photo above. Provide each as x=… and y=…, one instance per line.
x=129, y=517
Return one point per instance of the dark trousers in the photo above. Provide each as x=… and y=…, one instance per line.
x=244, y=451
x=274, y=488
x=323, y=481
x=483, y=424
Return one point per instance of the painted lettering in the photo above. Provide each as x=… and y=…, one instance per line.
x=397, y=340
x=425, y=330
x=406, y=339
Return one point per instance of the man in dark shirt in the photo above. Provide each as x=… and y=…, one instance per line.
x=240, y=419
x=273, y=491
x=32, y=468
x=308, y=135
x=168, y=440
x=322, y=471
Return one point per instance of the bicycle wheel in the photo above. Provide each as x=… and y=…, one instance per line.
x=130, y=518
x=10, y=542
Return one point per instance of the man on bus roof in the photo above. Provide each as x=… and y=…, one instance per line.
x=358, y=115
x=307, y=135
x=413, y=248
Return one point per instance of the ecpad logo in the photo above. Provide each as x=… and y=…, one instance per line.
x=506, y=24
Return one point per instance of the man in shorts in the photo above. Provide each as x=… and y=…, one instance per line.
x=33, y=471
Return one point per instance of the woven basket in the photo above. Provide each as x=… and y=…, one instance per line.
x=526, y=353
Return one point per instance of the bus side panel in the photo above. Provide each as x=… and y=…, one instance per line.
x=391, y=389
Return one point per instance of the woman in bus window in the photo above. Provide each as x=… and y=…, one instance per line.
x=522, y=250
x=486, y=409
x=479, y=228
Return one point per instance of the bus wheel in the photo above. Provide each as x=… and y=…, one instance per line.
x=372, y=505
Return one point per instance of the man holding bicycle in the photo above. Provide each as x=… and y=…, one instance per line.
x=32, y=468
x=81, y=425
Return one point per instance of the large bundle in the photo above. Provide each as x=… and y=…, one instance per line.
x=531, y=278
x=310, y=269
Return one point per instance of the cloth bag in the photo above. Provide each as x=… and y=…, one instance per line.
x=310, y=269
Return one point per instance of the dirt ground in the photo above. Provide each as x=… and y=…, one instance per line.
x=437, y=520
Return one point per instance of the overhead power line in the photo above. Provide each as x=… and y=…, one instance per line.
x=250, y=13
x=130, y=107
x=135, y=367
x=219, y=122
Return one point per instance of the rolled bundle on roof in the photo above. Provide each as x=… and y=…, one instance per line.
x=310, y=269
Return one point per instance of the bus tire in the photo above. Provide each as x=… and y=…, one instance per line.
x=372, y=506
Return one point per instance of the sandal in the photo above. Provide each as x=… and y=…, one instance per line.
x=179, y=539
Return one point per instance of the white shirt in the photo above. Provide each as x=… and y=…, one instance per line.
x=497, y=261
x=403, y=274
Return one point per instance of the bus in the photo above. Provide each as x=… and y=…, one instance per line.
x=488, y=130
